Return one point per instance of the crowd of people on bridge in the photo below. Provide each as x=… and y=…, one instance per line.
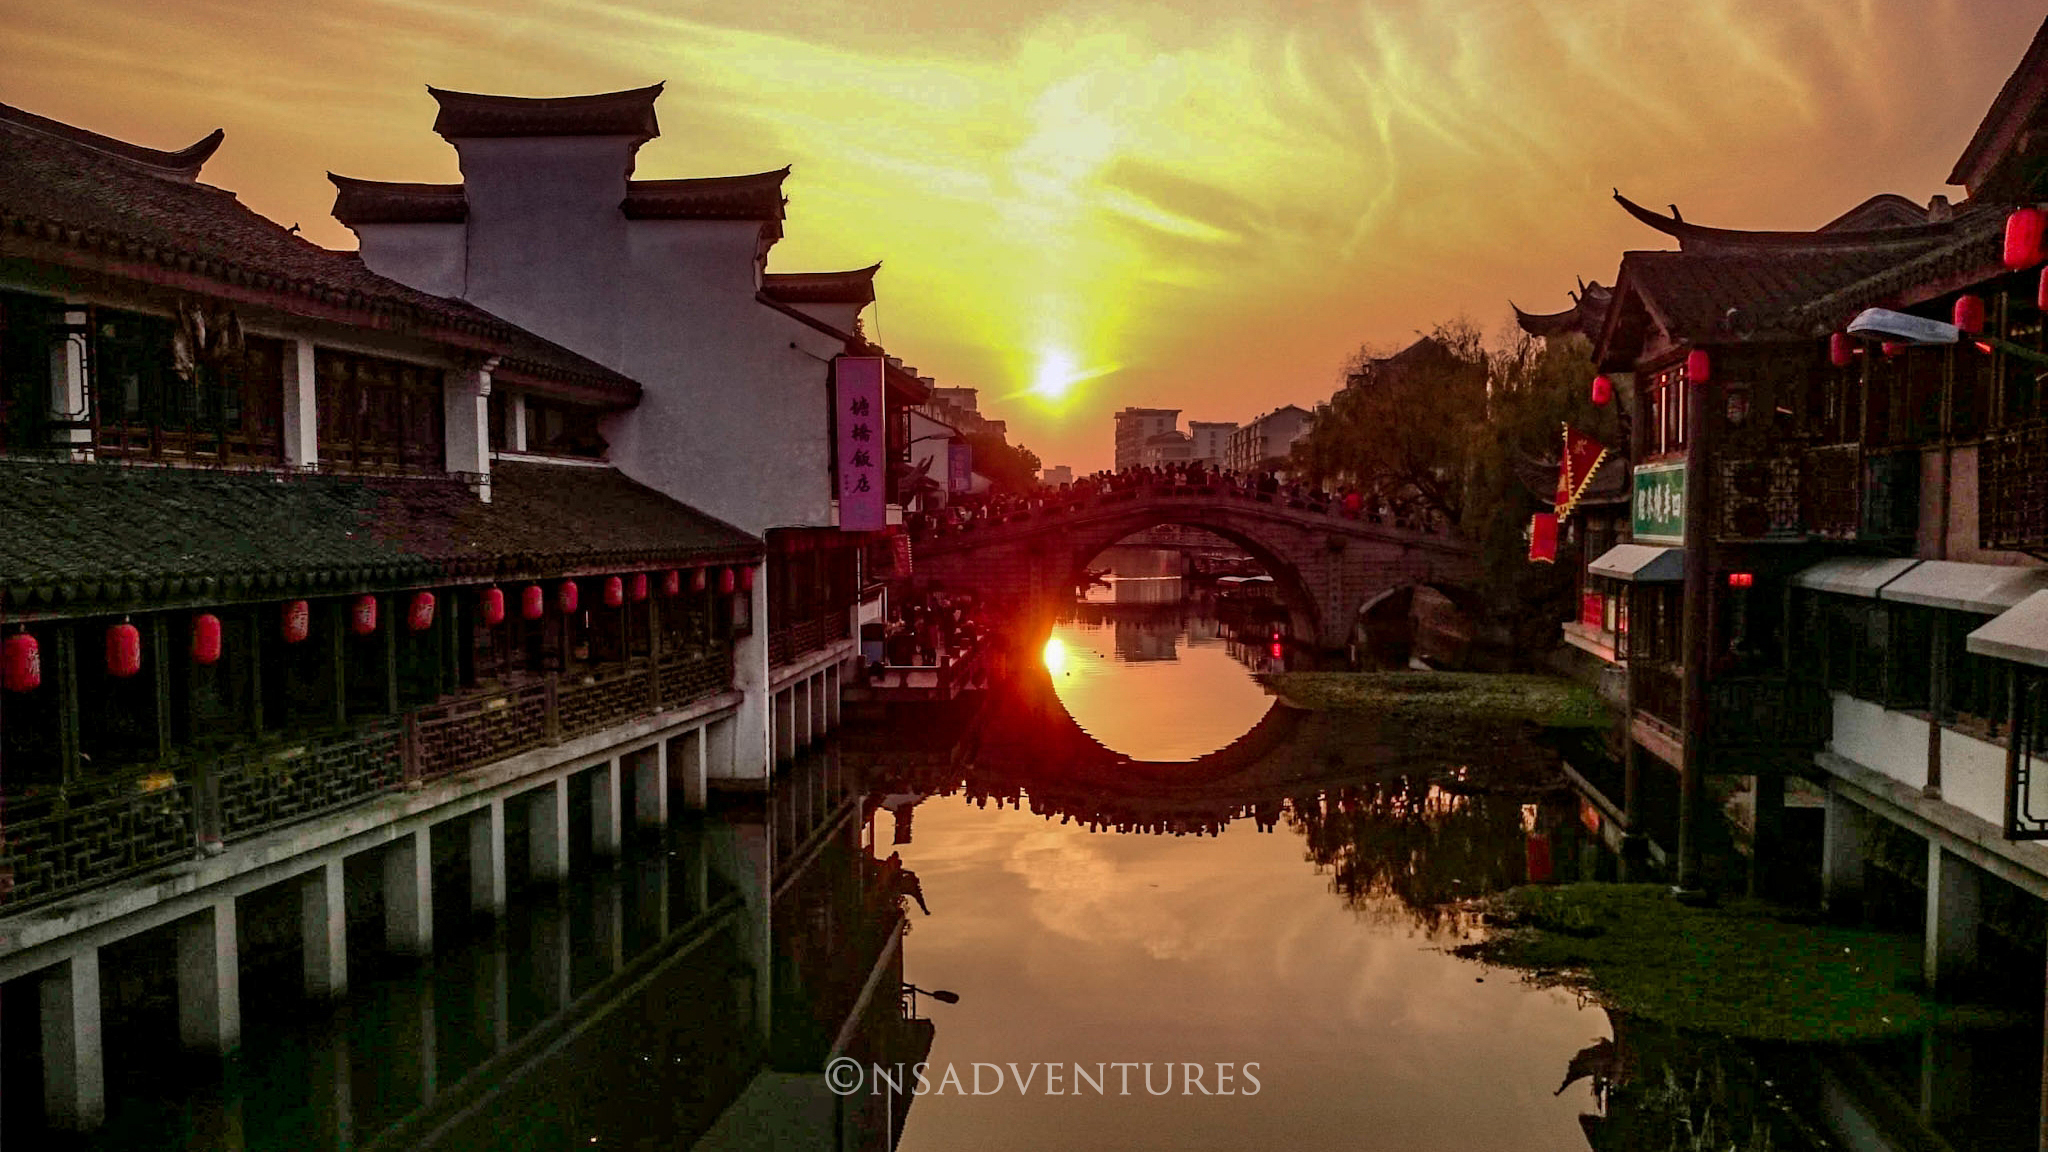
x=967, y=511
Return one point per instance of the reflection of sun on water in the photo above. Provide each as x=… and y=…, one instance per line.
x=1148, y=690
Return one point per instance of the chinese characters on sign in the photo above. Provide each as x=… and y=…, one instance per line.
x=863, y=442
x=959, y=467
x=1659, y=505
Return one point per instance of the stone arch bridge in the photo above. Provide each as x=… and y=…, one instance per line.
x=1326, y=563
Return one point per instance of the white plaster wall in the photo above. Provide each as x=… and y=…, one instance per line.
x=1889, y=742
x=840, y=316
x=430, y=257
x=735, y=413
x=1973, y=777
x=547, y=242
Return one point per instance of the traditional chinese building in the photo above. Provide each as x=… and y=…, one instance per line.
x=1835, y=560
x=744, y=411
x=311, y=579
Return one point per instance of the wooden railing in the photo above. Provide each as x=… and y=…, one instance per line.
x=60, y=840
x=790, y=641
x=1769, y=712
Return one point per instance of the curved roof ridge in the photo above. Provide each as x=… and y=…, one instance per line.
x=358, y=201
x=180, y=164
x=1698, y=235
x=472, y=115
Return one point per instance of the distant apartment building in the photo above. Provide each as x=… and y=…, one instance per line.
x=1267, y=439
x=1056, y=475
x=1135, y=426
x=1211, y=440
x=1166, y=449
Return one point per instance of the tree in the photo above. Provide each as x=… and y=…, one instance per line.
x=1011, y=470
x=1404, y=426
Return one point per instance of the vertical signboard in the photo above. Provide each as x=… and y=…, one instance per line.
x=863, y=442
x=1658, y=507
x=959, y=467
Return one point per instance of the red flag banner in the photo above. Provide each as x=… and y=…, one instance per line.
x=1582, y=457
x=1543, y=537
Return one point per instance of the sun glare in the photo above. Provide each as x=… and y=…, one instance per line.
x=1056, y=375
x=1055, y=656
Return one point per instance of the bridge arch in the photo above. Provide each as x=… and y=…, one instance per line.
x=1326, y=566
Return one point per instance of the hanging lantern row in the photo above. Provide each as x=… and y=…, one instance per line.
x=1969, y=314
x=21, y=662
x=1698, y=368
x=1603, y=391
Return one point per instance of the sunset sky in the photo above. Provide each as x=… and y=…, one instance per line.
x=1205, y=205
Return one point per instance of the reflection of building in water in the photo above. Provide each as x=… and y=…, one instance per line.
x=1145, y=590
x=1140, y=639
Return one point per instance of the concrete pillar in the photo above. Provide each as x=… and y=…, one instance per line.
x=209, y=979
x=690, y=763
x=1768, y=833
x=800, y=705
x=785, y=727
x=515, y=412
x=720, y=748
x=818, y=690
x=74, y=1075
x=650, y=786
x=466, y=404
x=323, y=930
x=547, y=832
x=494, y=992
x=409, y=895
x=487, y=860
x=301, y=406
x=833, y=686
x=605, y=831
x=1954, y=912
x=753, y=744
x=1845, y=841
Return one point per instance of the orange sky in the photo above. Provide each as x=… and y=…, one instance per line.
x=1204, y=205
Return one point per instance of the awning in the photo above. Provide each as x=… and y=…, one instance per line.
x=1853, y=575
x=2020, y=635
x=1986, y=588
x=1640, y=563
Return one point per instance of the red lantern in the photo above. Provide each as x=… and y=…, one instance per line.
x=698, y=579
x=1894, y=347
x=639, y=587
x=493, y=601
x=298, y=620
x=1698, y=369
x=614, y=591
x=1841, y=350
x=1742, y=579
x=1603, y=391
x=23, y=667
x=205, y=638
x=2023, y=231
x=671, y=583
x=565, y=597
x=1969, y=314
x=725, y=580
x=363, y=619
x=421, y=617
x=1536, y=859
x=747, y=578
x=124, y=650
x=532, y=602
x=2041, y=292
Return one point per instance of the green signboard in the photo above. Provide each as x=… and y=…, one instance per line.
x=1659, y=504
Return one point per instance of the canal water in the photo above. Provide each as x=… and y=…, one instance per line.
x=1164, y=910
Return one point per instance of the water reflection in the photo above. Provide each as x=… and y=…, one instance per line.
x=1155, y=683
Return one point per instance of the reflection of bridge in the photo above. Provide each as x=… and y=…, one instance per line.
x=1328, y=564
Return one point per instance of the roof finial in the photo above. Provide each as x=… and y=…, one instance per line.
x=1675, y=214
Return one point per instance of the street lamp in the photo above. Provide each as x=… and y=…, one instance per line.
x=941, y=995
x=1885, y=324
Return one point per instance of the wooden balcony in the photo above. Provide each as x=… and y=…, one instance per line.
x=790, y=641
x=64, y=839
x=1755, y=723
x=2012, y=488
x=1837, y=492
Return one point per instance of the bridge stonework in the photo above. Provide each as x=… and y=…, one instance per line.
x=1327, y=565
